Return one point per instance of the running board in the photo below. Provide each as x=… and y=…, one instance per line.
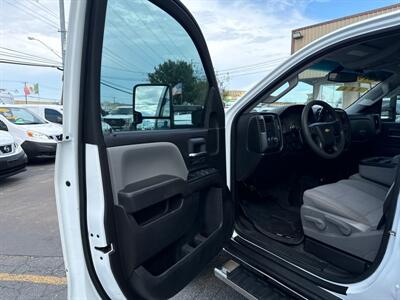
x=247, y=283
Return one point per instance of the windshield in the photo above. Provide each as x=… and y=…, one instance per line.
x=20, y=116
x=313, y=84
x=122, y=111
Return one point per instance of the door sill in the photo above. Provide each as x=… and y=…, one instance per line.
x=281, y=275
x=253, y=285
x=341, y=289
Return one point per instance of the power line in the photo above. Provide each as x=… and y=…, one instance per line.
x=115, y=88
x=132, y=43
x=37, y=16
x=14, y=62
x=138, y=36
x=165, y=45
x=123, y=70
x=250, y=73
x=45, y=8
x=166, y=34
x=263, y=69
x=253, y=66
x=27, y=54
x=117, y=59
x=42, y=60
x=116, y=85
x=124, y=78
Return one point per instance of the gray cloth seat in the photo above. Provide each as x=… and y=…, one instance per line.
x=346, y=215
x=356, y=200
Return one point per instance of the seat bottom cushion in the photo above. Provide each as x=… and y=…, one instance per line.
x=357, y=200
x=345, y=215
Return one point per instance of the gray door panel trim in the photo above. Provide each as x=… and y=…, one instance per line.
x=132, y=163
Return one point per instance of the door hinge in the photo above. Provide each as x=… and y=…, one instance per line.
x=392, y=233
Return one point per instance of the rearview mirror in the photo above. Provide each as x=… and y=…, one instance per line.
x=342, y=76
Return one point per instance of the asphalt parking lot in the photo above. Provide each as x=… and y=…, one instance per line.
x=31, y=263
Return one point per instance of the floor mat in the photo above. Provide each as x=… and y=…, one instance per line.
x=274, y=221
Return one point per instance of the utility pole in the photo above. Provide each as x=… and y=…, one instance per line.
x=63, y=34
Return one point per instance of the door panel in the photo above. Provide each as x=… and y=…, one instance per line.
x=169, y=215
x=167, y=210
x=389, y=142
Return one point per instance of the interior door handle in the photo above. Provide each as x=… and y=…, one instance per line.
x=198, y=154
x=197, y=147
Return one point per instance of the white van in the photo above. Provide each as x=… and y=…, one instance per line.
x=36, y=136
x=50, y=112
x=12, y=156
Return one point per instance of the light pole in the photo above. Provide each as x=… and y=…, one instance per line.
x=31, y=38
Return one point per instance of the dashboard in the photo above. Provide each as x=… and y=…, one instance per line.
x=277, y=132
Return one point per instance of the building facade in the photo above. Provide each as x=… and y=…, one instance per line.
x=305, y=35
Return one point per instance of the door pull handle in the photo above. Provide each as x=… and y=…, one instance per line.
x=198, y=154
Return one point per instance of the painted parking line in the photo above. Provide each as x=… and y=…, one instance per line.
x=52, y=280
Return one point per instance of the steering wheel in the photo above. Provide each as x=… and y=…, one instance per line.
x=326, y=138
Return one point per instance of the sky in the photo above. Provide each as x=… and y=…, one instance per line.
x=254, y=33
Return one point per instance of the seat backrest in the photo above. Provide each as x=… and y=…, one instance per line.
x=390, y=203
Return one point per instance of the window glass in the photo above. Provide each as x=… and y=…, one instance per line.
x=53, y=115
x=280, y=90
x=143, y=45
x=20, y=116
x=318, y=83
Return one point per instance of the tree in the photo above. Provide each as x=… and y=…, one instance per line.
x=173, y=72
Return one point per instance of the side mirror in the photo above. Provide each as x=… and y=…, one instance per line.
x=152, y=101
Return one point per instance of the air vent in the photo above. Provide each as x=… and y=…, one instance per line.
x=261, y=124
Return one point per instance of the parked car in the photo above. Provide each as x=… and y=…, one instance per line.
x=119, y=118
x=36, y=136
x=52, y=113
x=302, y=197
x=12, y=156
